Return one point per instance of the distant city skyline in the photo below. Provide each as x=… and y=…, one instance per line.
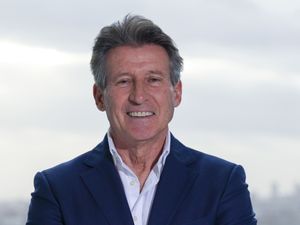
x=277, y=209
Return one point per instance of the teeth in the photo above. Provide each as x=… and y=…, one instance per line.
x=140, y=114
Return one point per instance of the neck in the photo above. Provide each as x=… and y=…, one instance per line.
x=142, y=156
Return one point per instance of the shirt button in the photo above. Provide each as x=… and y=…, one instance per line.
x=132, y=182
x=135, y=218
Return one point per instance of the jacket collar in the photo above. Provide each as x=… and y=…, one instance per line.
x=175, y=182
x=105, y=185
x=103, y=182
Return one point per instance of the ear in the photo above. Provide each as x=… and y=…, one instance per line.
x=98, y=96
x=177, y=93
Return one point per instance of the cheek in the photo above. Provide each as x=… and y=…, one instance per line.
x=172, y=100
x=114, y=104
x=166, y=101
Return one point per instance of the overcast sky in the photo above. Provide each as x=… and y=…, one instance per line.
x=241, y=93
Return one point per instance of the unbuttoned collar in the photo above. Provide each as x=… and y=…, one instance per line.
x=120, y=165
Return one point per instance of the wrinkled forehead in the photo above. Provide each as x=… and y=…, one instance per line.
x=150, y=57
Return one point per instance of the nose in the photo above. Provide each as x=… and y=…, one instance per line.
x=138, y=94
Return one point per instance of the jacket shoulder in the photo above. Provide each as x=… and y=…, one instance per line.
x=201, y=161
x=75, y=166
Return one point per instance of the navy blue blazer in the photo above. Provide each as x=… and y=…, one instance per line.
x=194, y=189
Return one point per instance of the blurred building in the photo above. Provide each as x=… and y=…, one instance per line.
x=13, y=212
x=274, y=210
x=278, y=209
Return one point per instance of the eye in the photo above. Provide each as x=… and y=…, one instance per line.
x=123, y=82
x=153, y=80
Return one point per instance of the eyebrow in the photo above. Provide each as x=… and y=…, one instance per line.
x=155, y=72
x=147, y=73
x=150, y=72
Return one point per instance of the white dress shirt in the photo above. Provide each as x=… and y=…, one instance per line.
x=139, y=202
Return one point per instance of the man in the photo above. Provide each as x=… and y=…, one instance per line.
x=140, y=174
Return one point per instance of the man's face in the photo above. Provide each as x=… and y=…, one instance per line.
x=139, y=98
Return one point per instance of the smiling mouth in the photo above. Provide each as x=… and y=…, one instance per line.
x=140, y=114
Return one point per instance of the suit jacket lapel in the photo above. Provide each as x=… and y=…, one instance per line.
x=175, y=182
x=105, y=185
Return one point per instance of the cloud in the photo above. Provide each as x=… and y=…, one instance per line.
x=73, y=25
x=220, y=106
x=241, y=82
x=14, y=53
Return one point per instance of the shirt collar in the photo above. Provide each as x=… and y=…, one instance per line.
x=157, y=169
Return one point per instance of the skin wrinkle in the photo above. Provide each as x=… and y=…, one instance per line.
x=141, y=159
x=138, y=81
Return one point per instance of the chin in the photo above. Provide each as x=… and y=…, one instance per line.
x=144, y=134
x=140, y=136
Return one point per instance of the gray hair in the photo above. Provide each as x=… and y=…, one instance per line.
x=136, y=31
